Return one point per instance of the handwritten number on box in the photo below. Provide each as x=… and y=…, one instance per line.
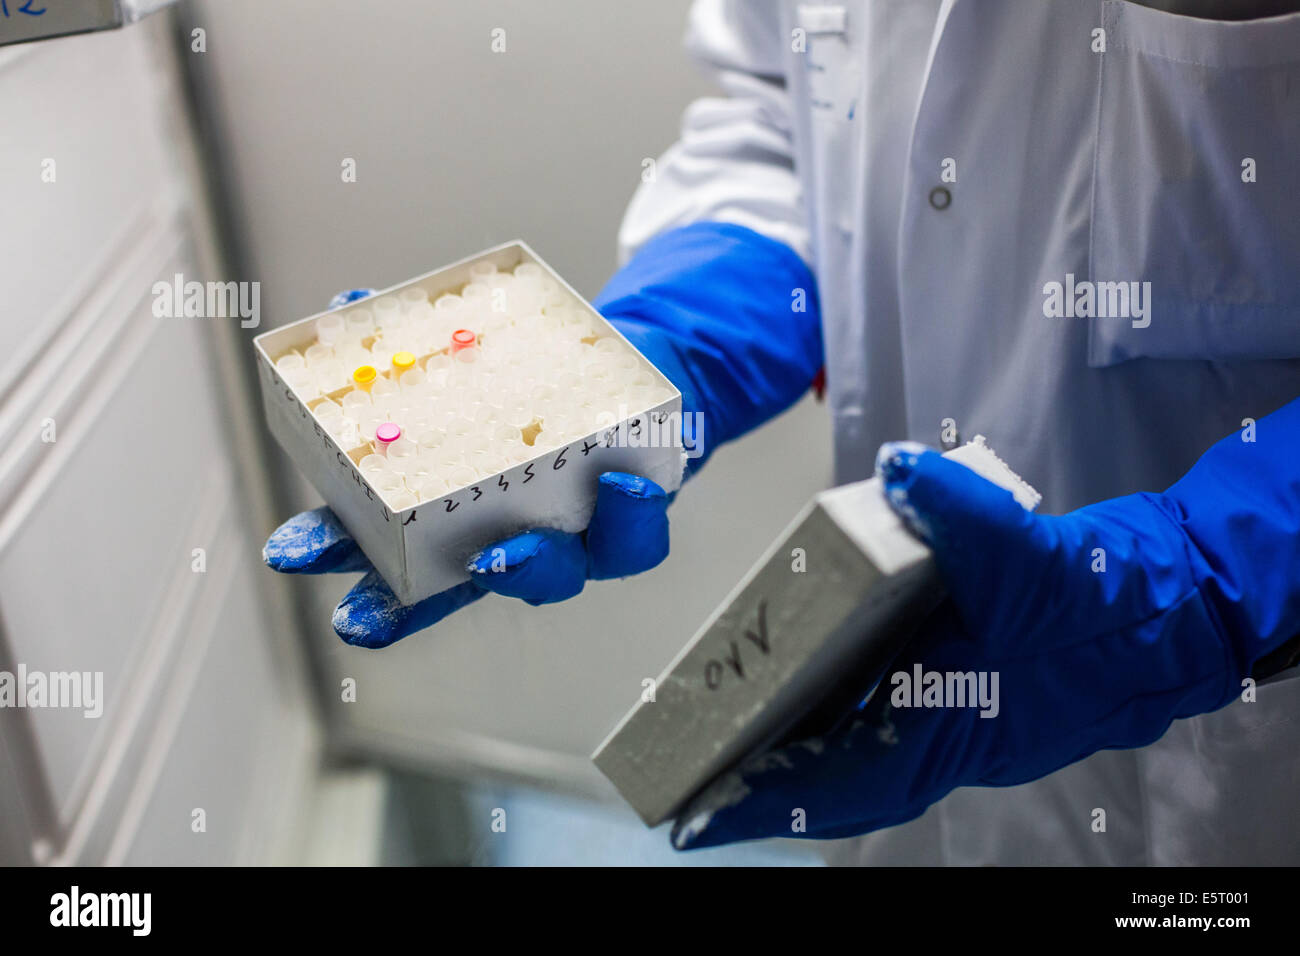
x=26, y=8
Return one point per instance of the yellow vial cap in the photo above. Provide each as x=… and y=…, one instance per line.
x=403, y=361
x=365, y=376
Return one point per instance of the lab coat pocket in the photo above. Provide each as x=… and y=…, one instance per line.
x=822, y=30
x=832, y=87
x=1195, y=241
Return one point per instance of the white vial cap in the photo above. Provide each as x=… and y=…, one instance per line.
x=413, y=296
x=329, y=328
x=385, y=481
x=373, y=462
x=359, y=321
x=483, y=269
x=432, y=487
x=401, y=500
x=461, y=475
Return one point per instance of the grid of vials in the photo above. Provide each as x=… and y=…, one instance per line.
x=432, y=396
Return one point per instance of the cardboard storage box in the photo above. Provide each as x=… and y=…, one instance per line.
x=784, y=641
x=423, y=549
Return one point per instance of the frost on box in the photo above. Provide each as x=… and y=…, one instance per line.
x=466, y=405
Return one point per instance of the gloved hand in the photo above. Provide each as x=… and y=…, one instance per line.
x=1103, y=626
x=709, y=306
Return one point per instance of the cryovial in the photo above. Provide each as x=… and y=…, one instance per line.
x=412, y=297
x=461, y=475
x=359, y=323
x=369, y=420
x=479, y=412
x=414, y=385
x=449, y=307
x=460, y=430
x=461, y=340
x=350, y=354
x=437, y=368
x=384, y=391
x=302, y=381
x=387, y=482
x=476, y=294
x=427, y=439
x=517, y=414
x=356, y=400
x=499, y=280
x=387, y=310
x=402, y=362
x=329, y=414
x=385, y=434
x=432, y=487
x=372, y=463
x=401, y=500
x=487, y=464
x=398, y=448
x=477, y=444
x=445, y=458
x=552, y=295
x=421, y=314
x=330, y=328
x=318, y=354
x=330, y=376
x=626, y=364
x=493, y=321
x=364, y=376
x=506, y=436
x=520, y=453
x=410, y=467
x=481, y=270
x=417, y=419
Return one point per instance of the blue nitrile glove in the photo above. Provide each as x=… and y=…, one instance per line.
x=1200, y=589
x=710, y=306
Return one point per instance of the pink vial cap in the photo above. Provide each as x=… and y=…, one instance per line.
x=463, y=339
x=388, y=432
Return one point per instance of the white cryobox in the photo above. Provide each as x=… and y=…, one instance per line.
x=786, y=646
x=468, y=404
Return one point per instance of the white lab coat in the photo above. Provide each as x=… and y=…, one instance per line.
x=1122, y=165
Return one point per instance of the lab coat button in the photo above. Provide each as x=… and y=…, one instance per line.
x=940, y=198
